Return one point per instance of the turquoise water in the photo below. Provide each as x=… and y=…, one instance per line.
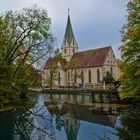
x=61, y=118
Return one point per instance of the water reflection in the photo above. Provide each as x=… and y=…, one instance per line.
x=53, y=119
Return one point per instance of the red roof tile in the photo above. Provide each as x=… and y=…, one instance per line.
x=90, y=58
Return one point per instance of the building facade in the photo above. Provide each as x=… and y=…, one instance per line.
x=85, y=69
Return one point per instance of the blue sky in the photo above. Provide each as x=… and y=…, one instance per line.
x=96, y=23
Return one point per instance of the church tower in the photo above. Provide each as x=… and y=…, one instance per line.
x=69, y=45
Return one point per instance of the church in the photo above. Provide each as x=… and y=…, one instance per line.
x=81, y=69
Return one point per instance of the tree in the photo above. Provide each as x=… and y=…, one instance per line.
x=131, y=52
x=74, y=73
x=25, y=38
x=130, y=124
x=53, y=71
x=108, y=79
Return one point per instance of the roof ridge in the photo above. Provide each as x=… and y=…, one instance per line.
x=93, y=49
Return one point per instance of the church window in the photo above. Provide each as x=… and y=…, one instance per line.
x=111, y=71
x=68, y=76
x=65, y=51
x=82, y=76
x=89, y=76
x=75, y=77
x=73, y=50
x=59, y=78
x=73, y=42
x=98, y=75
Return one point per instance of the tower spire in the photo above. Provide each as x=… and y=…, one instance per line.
x=68, y=11
x=69, y=45
x=69, y=31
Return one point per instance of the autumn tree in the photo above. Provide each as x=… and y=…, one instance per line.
x=131, y=52
x=25, y=38
x=53, y=70
x=74, y=73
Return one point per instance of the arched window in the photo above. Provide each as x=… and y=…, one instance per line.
x=82, y=76
x=59, y=78
x=75, y=77
x=65, y=51
x=98, y=75
x=111, y=71
x=89, y=76
x=68, y=76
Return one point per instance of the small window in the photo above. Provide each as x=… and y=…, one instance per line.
x=73, y=50
x=65, y=51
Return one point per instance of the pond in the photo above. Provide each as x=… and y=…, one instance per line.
x=61, y=117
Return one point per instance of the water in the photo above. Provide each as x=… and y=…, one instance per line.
x=61, y=117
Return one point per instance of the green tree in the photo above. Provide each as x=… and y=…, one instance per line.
x=25, y=38
x=130, y=124
x=108, y=79
x=53, y=71
x=131, y=52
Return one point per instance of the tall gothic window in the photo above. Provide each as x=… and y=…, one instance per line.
x=82, y=76
x=68, y=76
x=98, y=75
x=89, y=76
x=59, y=78
x=75, y=77
x=111, y=71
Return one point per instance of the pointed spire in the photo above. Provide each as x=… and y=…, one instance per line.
x=69, y=32
x=68, y=11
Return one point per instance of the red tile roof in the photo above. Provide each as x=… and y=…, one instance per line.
x=90, y=58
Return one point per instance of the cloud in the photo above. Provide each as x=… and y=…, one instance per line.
x=96, y=23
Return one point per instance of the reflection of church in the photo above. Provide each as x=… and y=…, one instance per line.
x=71, y=126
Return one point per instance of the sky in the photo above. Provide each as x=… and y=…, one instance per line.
x=96, y=23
